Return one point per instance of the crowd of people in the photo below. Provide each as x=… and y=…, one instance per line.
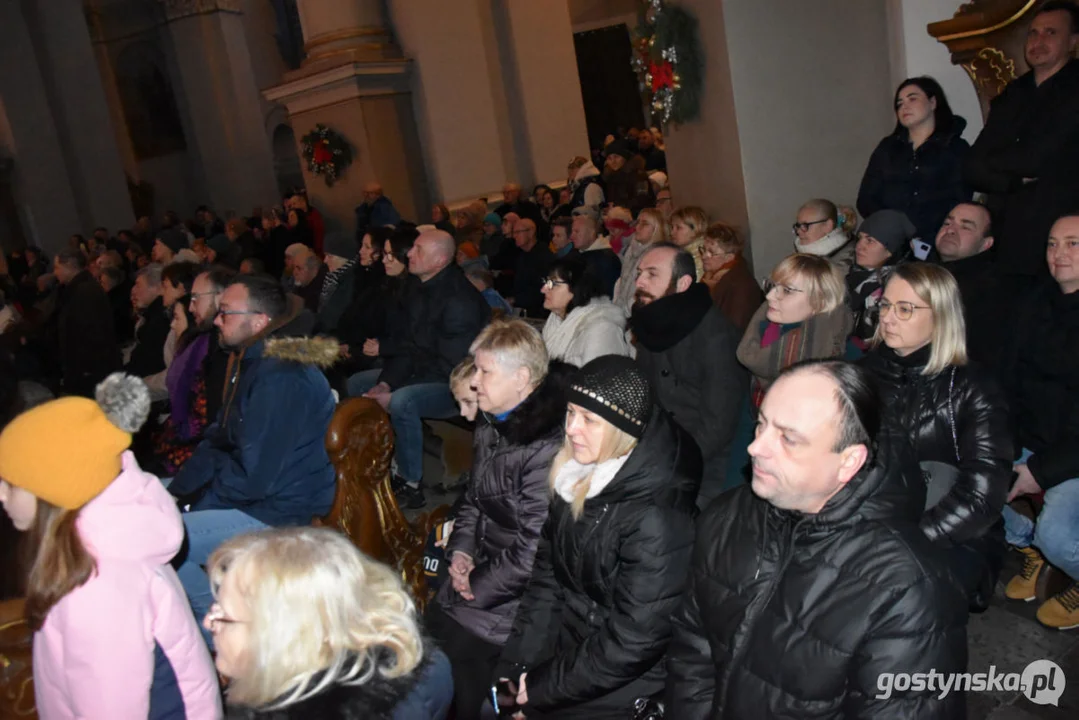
x=690, y=497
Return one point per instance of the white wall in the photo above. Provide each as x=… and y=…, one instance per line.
x=916, y=52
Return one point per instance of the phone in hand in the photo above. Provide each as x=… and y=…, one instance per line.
x=503, y=698
x=921, y=248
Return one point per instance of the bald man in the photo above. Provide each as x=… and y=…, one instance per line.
x=438, y=324
x=376, y=210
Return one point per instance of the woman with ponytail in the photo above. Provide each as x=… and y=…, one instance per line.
x=592, y=630
x=114, y=636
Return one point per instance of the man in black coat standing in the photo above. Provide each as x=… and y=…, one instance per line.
x=1026, y=154
x=686, y=347
x=812, y=592
x=441, y=318
x=85, y=338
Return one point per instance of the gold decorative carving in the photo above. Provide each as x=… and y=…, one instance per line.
x=360, y=444
x=16, y=666
x=984, y=16
x=339, y=35
x=176, y=9
x=990, y=70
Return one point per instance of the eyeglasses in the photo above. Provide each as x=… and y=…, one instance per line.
x=707, y=252
x=225, y=313
x=549, y=283
x=781, y=290
x=803, y=227
x=903, y=310
x=218, y=619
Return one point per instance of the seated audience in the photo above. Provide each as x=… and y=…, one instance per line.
x=185, y=382
x=275, y=239
x=441, y=219
x=583, y=323
x=686, y=348
x=585, y=184
x=176, y=282
x=300, y=232
x=625, y=181
x=531, y=269
x=883, y=242
x=470, y=224
x=113, y=636
x=596, y=251
x=252, y=266
x=498, y=526
x=263, y=461
x=365, y=316
x=219, y=251
x=514, y=202
x=114, y=284
x=918, y=169
x=338, y=286
x=167, y=243
x=439, y=320
x=493, y=239
x=956, y=415
x=241, y=238
x=308, y=276
x=618, y=221
x=810, y=585
x=688, y=225
x=664, y=203
x=483, y=280
x=591, y=633
x=825, y=230
x=375, y=211
x=654, y=158
x=1042, y=382
x=561, y=230
x=335, y=632
x=803, y=317
x=85, y=343
x=309, y=223
x=650, y=229
x=147, y=356
x=734, y=289
x=962, y=246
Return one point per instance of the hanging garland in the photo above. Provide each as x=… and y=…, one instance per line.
x=327, y=153
x=668, y=61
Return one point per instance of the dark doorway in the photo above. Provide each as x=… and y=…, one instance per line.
x=609, y=88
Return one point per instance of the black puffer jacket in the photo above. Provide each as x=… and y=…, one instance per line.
x=924, y=184
x=504, y=508
x=593, y=628
x=925, y=406
x=795, y=616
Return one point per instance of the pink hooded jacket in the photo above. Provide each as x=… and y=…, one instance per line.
x=125, y=644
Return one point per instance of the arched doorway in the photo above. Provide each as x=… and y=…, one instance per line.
x=286, y=161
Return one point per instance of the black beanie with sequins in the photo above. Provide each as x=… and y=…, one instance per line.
x=615, y=388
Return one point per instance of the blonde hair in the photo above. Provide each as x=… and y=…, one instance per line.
x=322, y=613
x=843, y=217
x=616, y=443
x=463, y=373
x=824, y=285
x=937, y=288
x=725, y=237
x=660, y=235
x=694, y=217
x=515, y=344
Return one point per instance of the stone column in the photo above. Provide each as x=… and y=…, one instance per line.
x=41, y=187
x=216, y=85
x=82, y=115
x=355, y=81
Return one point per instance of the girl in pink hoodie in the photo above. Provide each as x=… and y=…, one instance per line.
x=114, y=637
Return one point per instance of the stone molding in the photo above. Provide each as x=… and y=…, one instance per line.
x=177, y=9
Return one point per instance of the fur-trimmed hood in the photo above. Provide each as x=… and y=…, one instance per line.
x=542, y=413
x=320, y=351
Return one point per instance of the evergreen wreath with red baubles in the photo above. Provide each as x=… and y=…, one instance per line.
x=668, y=61
x=327, y=153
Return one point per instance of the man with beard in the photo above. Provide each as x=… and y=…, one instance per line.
x=205, y=292
x=687, y=346
x=263, y=461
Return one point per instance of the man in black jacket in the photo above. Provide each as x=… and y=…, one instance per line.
x=962, y=247
x=441, y=319
x=1026, y=155
x=686, y=347
x=1042, y=379
x=86, y=339
x=531, y=270
x=813, y=590
x=152, y=326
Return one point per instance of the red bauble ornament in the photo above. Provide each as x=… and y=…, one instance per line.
x=662, y=74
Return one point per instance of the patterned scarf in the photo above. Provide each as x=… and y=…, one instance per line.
x=332, y=278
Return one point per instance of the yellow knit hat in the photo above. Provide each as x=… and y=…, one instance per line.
x=67, y=451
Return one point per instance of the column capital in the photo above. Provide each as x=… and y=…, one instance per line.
x=176, y=9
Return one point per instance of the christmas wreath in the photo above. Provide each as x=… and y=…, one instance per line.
x=327, y=153
x=668, y=61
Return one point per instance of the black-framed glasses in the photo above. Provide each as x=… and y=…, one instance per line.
x=903, y=310
x=225, y=313
x=782, y=290
x=804, y=226
x=550, y=283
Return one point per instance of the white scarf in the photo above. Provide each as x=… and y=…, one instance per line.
x=598, y=476
x=824, y=246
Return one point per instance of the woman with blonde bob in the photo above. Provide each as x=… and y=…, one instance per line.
x=306, y=626
x=497, y=528
x=804, y=316
x=592, y=630
x=956, y=415
x=688, y=225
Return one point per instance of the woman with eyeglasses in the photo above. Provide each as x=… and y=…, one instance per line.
x=804, y=316
x=584, y=324
x=824, y=229
x=734, y=290
x=918, y=168
x=956, y=416
x=307, y=626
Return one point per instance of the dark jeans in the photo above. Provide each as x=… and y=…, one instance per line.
x=472, y=660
